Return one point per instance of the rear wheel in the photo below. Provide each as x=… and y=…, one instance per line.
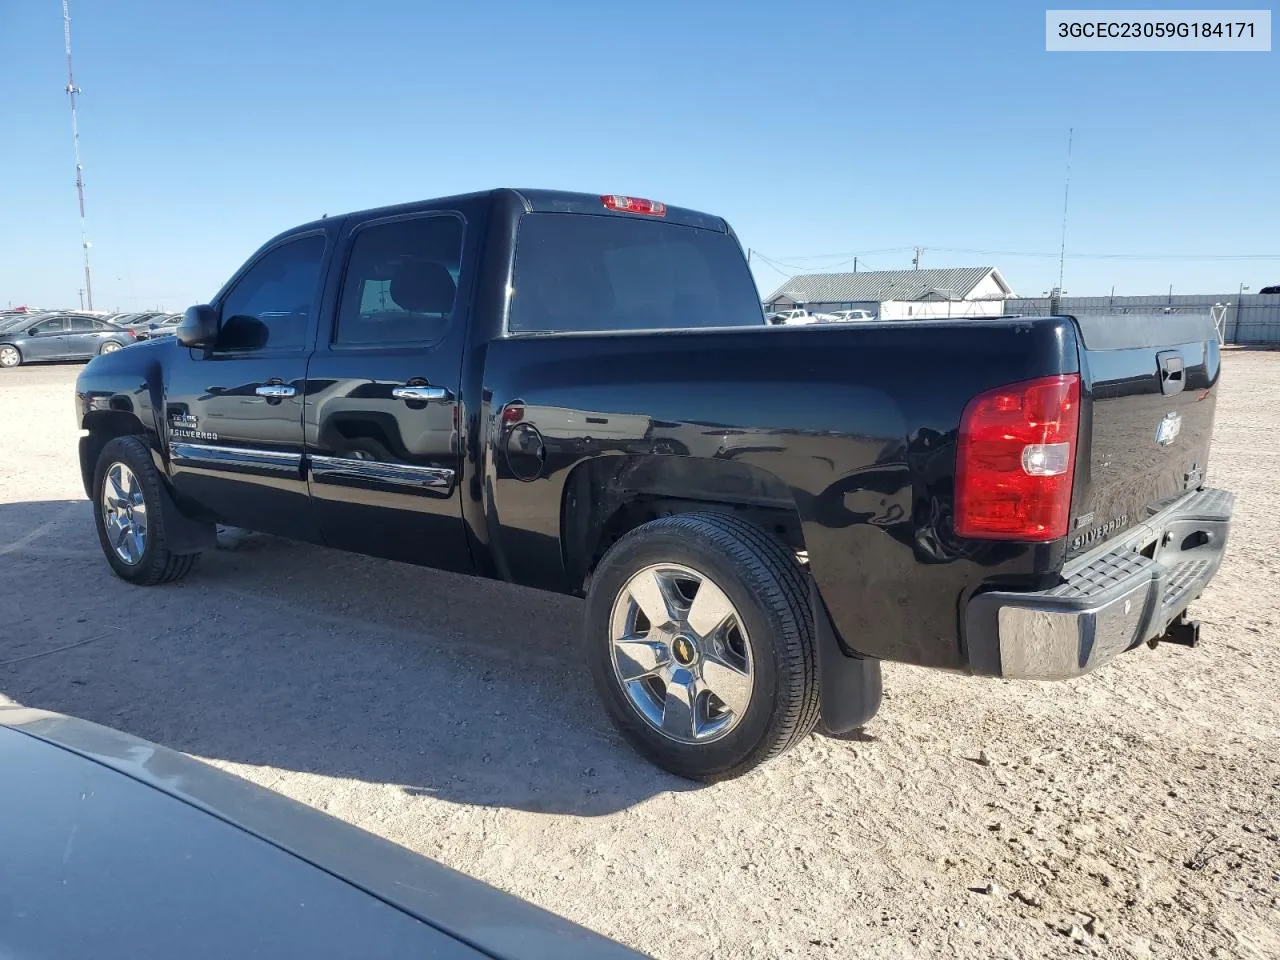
x=699, y=638
x=109, y=347
x=129, y=517
x=9, y=356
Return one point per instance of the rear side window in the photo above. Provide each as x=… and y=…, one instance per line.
x=401, y=283
x=586, y=273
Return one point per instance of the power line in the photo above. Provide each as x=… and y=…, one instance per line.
x=848, y=257
x=787, y=272
x=1113, y=256
x=1056, y=254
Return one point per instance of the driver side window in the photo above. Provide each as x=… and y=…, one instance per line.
x=271, y=305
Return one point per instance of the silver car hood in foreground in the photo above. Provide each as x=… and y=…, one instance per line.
x=113, y=847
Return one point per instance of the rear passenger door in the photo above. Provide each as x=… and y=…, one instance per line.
x=82, y=336
x=48, y=341
x=382, y=410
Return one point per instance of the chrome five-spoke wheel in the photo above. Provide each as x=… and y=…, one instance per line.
x=700, y=643
x=136, y=519
x=124, y=513
x=681, y=652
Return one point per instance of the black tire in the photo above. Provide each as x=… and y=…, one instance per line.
x=7, y=347
x=110, y=346
x=156, y=563
x=769, y=592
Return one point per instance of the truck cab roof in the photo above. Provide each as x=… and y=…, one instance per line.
x=531, y=201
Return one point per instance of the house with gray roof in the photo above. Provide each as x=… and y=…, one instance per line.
x=898, y=294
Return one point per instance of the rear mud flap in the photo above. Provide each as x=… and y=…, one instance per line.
x=850, y=687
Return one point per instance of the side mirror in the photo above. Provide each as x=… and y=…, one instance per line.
x=33, y=331
x=199, y=326
x=242, y=332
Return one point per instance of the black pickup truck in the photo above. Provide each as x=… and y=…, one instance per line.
x=579, y=393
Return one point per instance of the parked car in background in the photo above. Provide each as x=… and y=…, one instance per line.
x=118, y=848
x=10, y=321
x=61, y=337
x=845, y=316
x=164, y=326
x=137, y=322
x=793, y=318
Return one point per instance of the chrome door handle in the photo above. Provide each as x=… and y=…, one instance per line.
x=276, y=390
x=421, y=393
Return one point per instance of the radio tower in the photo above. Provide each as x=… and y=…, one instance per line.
x=72, y=90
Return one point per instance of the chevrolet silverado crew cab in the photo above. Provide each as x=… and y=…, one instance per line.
x=579, y=393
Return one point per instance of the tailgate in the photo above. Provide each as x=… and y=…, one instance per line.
x=1148, y=397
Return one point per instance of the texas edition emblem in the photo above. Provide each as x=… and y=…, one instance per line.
x=1169, y=428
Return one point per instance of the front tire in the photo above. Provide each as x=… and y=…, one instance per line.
x=10, y=356
x=130, y=518
x=699, y=638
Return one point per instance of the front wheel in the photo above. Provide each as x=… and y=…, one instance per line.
x=130, y=518
x=9, y=356
x=699, y=637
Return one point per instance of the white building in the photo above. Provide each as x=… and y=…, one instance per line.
x=898, y=294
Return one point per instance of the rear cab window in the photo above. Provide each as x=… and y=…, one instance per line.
x=584, y=273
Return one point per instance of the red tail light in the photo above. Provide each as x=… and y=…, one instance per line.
x=622, y=204
x=1016, y=459
x=512, y=413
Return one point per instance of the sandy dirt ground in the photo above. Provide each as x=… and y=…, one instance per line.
x=1131, y=813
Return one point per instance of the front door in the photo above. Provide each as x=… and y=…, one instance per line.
x=47, y=340
x=382, y=408
x=234, y=412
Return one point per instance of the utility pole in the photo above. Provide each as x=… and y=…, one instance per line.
x=72, y=90
x=916, y=262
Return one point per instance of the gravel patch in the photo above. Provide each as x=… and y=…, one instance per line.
x=1131, y=813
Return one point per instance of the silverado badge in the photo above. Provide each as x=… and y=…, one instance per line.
x=1169, y=428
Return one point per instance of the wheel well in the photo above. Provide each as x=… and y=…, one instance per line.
x=103, y=426
x=608, y=497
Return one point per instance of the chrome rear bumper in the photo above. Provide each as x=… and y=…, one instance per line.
x=1109, y=601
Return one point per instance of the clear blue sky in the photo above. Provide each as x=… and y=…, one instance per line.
x=814, y=126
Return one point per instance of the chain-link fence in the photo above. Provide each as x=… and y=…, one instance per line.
x=1252, y=318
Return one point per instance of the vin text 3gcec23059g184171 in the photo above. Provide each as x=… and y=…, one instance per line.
x=580, y=393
